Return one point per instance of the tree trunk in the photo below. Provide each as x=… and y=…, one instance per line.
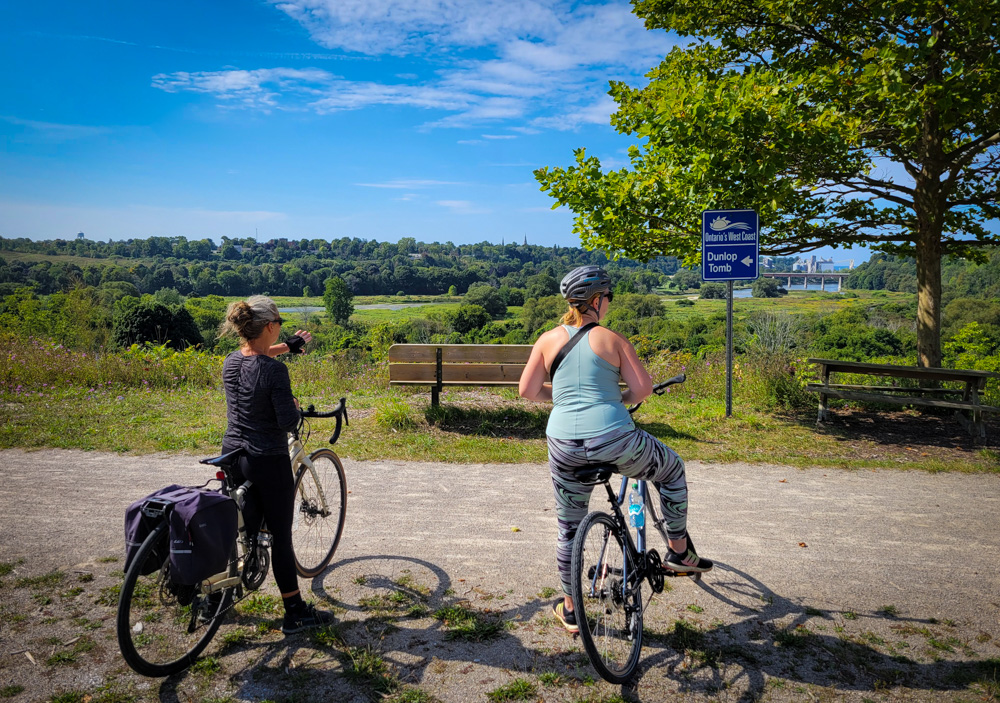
x=929, y=292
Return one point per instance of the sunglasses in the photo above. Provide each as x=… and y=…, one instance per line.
x=610, y=295
x=279, y=321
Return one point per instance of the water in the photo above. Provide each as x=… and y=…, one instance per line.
x=377, y=306
x=831, y=287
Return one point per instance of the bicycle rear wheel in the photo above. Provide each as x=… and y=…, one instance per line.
x=163, y=627
x=319, y=513
x=608, y=610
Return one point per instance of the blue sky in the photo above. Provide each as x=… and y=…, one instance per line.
x=307, y=118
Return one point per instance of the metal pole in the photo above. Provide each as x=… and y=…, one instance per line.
x=729, y=351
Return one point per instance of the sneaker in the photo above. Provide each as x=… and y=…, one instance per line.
x=687, y=562
x=566, y=617
x=305, y=617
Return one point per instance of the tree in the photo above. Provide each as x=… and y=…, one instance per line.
x=713, y=291
x=488, y=297
x=137, y=320
x=685, y=278
x=787, y=107
x=469, y=317
x=338, y=299
x=766, y=288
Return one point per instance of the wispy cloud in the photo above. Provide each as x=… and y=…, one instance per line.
x=499, y=136
x=544, y=64
x=463, y=207
x=55, y=132
x=409, y=184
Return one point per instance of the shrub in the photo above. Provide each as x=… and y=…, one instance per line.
x=716, y=291
x=394, y=414
x=137, y=321
x=767, y=288
x=684, y=302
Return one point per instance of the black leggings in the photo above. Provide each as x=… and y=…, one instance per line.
x=272, y=496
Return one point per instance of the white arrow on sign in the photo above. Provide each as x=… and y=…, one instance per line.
x=747, y=261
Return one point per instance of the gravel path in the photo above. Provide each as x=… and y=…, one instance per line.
x=859, y=560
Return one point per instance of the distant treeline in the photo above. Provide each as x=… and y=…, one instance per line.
x=290, y=267
x=960, y=279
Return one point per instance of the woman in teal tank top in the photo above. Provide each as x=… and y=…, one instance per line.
x=590, y=424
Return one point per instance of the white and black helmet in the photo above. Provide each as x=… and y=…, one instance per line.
x=583, y=283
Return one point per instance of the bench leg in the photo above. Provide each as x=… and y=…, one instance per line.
x=435, y=395
x=824, y=413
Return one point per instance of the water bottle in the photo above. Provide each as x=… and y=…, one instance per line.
x=636, y=514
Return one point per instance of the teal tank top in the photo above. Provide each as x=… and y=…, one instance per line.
x=586, y=399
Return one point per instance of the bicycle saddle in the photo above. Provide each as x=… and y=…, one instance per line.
x=594, y=474
x=224, y=461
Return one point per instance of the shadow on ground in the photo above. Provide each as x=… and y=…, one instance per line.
x=404, y=623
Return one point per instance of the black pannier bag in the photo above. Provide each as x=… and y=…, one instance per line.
x=202, y=532
x=138, y=526
x=202, y=535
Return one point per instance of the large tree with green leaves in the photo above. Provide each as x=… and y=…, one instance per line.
x=338, y=299
x=840, y=123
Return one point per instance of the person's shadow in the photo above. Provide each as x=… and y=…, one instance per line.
x=403, y=613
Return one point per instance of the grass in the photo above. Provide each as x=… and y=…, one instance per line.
x=516, y=690
x=48, y=405
x=462, y=622
x=365, y=665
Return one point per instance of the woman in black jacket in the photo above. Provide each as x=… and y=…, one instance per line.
x=260, y=412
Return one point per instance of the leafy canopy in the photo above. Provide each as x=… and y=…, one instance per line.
x=797, y=109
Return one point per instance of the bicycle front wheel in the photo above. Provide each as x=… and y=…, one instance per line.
x=163, y=627
x=608, y=608
x=319, y=512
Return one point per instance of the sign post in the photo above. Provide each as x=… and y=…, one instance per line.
x=730, y=250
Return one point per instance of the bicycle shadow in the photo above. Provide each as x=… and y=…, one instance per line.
x=402, y=611
x=772, y=631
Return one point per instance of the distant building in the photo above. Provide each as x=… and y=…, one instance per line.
x=80, y=235
x=767, y=262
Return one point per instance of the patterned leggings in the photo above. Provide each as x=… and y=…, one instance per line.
x=637, y=454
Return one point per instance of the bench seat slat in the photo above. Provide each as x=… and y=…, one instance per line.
x=461, y=353
x=897, y=399
x=470, y=374
x=933, y=374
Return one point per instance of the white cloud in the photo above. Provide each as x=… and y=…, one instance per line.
x=462, y=207
x=54, y=132
x=540, y=64
x=499, y=136
x=50, y=220
x=409, y=184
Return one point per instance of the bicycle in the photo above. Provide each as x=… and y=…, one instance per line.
x=163, y=627
x=608, y=569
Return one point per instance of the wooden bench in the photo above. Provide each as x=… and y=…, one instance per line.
x=961, y=400
x=442, y=365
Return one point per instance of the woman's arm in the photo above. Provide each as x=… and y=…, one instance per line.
x=640, y=385
x=278, y=349
x=532, y=385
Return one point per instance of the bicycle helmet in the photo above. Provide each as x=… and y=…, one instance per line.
x=583, y=283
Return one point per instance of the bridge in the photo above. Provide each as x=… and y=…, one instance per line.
x=822, y=276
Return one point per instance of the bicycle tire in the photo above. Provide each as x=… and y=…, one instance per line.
x=612, y=636
x=152, y=621
x=316, y=530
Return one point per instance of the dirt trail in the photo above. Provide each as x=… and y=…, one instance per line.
x=828, y=582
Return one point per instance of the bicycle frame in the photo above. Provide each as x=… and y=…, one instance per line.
x=297, y=453
x=634, y=565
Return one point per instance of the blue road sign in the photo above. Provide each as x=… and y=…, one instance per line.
x=730, y=247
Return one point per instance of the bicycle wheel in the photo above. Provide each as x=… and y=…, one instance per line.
x=320, y=509
x=608, y=610
x=163, y=627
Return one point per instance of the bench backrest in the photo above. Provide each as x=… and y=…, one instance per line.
x=458, y=364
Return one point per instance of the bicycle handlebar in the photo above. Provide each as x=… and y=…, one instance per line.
x=659, y=388
x=339, y=411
